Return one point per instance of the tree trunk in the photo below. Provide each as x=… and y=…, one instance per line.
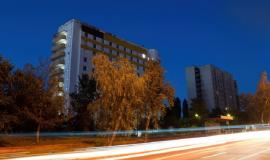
x=37, y=134
x=262, y=117
x=114, y=132
x=146, y=128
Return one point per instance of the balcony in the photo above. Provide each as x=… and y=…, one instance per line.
x=58, y=47
x=57, y=55
x=57, y=62
x=56, y=72
x=59, y=37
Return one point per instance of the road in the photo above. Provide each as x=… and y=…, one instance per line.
x=239, y=146
x=244, y=150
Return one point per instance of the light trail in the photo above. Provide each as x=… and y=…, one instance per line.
x=152, y=148
x=135, y=132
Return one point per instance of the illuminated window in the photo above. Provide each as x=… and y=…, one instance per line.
x=143, y=56
x=60, y=94
x=61, y=66
x=61, y=84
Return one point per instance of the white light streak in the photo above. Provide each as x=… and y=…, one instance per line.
x=152, y=148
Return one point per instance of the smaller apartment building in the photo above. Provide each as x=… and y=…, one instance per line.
x=216, y=87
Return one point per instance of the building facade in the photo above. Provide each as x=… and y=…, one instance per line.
x=217, y=88
x=76, y=43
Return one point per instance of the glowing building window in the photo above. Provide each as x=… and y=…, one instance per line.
x=61, y=84
x=61, y=66
x=60, y=94
x=143, y=56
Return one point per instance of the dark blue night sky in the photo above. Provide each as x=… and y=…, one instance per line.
x=233, y=35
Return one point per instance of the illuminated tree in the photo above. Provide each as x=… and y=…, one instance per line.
x=260, y=103
x=156, y=92
x=120, y=90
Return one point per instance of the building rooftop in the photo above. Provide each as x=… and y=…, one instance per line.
x=94, y=27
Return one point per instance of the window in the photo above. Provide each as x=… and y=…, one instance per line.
x=121, y=47
x=84, y=68
x=128, y=50
x=127, y=56
x=106, y=42
x=85, y=34
x=106, y=50
x=114, y=45
x=98, y=47
x=85, y=59
x=91, y=36
x=99, y=39
x=113, y=52
x=90, y=44
x=61, y=84
x=134, y=52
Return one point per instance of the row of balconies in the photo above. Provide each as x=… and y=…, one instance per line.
x=57, y=55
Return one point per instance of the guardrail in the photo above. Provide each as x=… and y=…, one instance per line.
x=157, y=132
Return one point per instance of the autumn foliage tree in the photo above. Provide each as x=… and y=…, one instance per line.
x=120, y=90
x=259, y=107
x=156, y=92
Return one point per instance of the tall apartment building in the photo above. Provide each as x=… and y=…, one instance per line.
x=74, y=45
x=215, y=87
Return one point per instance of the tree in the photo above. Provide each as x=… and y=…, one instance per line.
x=7, y=110
x=173, y=115
x=33, y=102
x=216, y=112
x=86, y=93
x=185, y=109
x=120, y=90
x=199, y=110
x=155, y=93
x=245, y=112
x=260, y=103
